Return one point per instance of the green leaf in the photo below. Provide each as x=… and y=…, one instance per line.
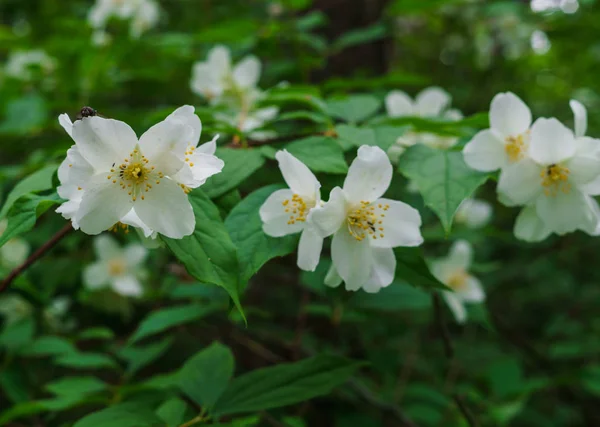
x=77, y=386
x=24, y=115
x=354, y=108
x=254, y=247
x=285, y=384
x=48, y=346
x=209, y=254
x=304, y=115
x=205, y=376
x=360, y=36
x=320, y=154
x=123, y=415
x=139, y=357
x=172, y=412
x=240, y=164
x=24, y=213
x=86, y=361
x=96, y=334
x=161, y=320
x=412, y=268
x=17, y=335
x=381, y=136
x=394, y=298
x=442, y=177
x=37, y=181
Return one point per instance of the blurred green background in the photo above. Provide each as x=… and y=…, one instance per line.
x=527, y=357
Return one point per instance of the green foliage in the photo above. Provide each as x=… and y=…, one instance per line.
x=34, y=183
x=320, y=154
x=125, y=415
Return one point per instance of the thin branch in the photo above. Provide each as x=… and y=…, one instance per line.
x=41, y=251
x=284, y=138
x=449, y=351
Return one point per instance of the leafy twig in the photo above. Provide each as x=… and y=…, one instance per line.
x=41, y=251
x=449, y=351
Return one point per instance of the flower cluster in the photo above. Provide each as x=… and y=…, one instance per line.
x=431, y=102
x=234, y=87
x=546, y=167
x=142, y=14
x=110, y=177
x=365, y=226
x=27, y=65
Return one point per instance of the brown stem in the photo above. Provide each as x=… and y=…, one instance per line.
x=41, y=251
x=449, y=351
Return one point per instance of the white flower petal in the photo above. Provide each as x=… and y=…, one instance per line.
x=208, y=147
x=352, y=259
x=165, y=141
x=529, y=227
x=369, y=175
x=401, y=224
x=583, y=169
x=128, y=286
x=332, y=278
x=69, y=210
x=580, y=113
x=432, y=101
x=66, y=123
x=96, y=276
x=103, y=205
x=485, y=152
x=186, y=115
x=383, y=270
x=592, y=226
x=247, y=72
x=106, y=247
x=551, y=142
x=73, y=174
x=473, y=291
x=474, y=213
x=206, y=81
x=456, y=306
x=275, y=219
x=219, y=59
x=297, y=175
x=132, y=219
x=565, y=212
x=167, y=210
x=103, y=142
x=327, y=219
x=509, y=115
x=520, y=183
x=461, y=255
x=309, y=249
x=399, y=104
x=135, y=254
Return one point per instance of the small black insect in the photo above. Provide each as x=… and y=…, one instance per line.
x=86, y=112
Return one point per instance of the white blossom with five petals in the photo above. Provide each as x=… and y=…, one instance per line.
x=110, y=177
x=366, y=227
x=453, y=271
x=286, y=211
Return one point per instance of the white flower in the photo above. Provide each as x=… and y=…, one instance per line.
x=506, y=142
x=215, y=77
x=554, y=178
x=286, y=211
x=143, y=14
x=14, y=252
x=429, y=103
x=115, y=174
x=14, y=308
x=21, y=65
x=474, y=213
x=365, y=226
x=117, y=268
x=247, y=122
x=453, y=271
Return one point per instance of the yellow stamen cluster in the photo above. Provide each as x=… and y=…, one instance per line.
x=116, y=267
x=297, y=207
x=515, y=147
x=365, y=220
x=188, y=153
x=555, y=178
x=134, y=175
x=119, y=226
x=458, y=280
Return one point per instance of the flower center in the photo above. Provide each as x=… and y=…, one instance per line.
x=458, y=280
x=119, y=226
x=135, y=175
x=116, y=267
x=515, y=147
x=298, y=208
x=555, y=178
x=365, y=220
